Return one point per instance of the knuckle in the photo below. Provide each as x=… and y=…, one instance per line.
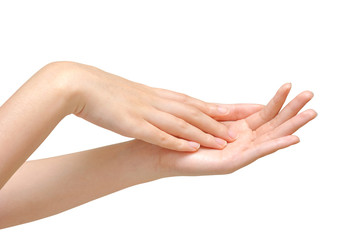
x=211, y=109
x=183, y=97
x=164, y=140
x=207, y=105
x=141, y=131
x=182, y=125
x=160, y=92
x=194, y=113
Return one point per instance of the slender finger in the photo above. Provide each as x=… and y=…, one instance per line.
x=268, y=147
x=270, y=111
x=218, y=111
x=290, y=126
x=214, y=110
x=238, y=111
x=196, y=118
x=151, y=134
x=205, y=107
x=180, y=128
x=287, y=112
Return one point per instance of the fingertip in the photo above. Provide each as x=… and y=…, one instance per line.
x=307, y=94
x=233, y=134
x=314, y=113
x=287, y=86
x=295, y=139
x=284, y=90
x=287, y=141
x=311, y=113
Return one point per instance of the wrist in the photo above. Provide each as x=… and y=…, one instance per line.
x=64, y=80
x=148, y=159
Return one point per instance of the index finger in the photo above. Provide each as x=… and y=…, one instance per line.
x=217, y=111
x=271, y=110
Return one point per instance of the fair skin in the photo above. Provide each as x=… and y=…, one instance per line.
x=41, y=188
x=109, y=101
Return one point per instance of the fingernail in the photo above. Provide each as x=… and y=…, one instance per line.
x=220, y=142
x=233, y=134
x=194, y=145
x=223, y=110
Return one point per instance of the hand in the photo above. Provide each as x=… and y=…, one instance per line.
x=161, y=117
x=260, y=134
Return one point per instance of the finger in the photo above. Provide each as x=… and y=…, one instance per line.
x=290, y=126
x=151, y=134
x=268, y=147
x=220, y=112
x=213, y=110
x=238, y=111
x=180, y=97
x=270, y=111
x=180, y=128
x=287, y=113
x=196, y=118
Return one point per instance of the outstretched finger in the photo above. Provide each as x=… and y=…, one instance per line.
x=287, y=112
x=238, y=111
x=220, y=112
x=290, y=126
x=271, y=110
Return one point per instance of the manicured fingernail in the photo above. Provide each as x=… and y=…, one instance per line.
x=194, y=145
x=233, y=134
x=220, y=142
x=223, y=110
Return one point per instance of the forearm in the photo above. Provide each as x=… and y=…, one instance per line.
x=46, y=187
x=28, y=117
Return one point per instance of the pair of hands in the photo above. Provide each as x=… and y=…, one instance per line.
x=178, y=122
x=170, y=120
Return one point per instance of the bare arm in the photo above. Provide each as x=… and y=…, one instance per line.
x=168, y=119
x=28, y=117
x=41, y=188
x=45, y=187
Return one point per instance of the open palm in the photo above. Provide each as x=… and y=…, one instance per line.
x=260, y=134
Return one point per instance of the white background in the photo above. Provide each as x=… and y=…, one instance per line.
x=218, y=51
